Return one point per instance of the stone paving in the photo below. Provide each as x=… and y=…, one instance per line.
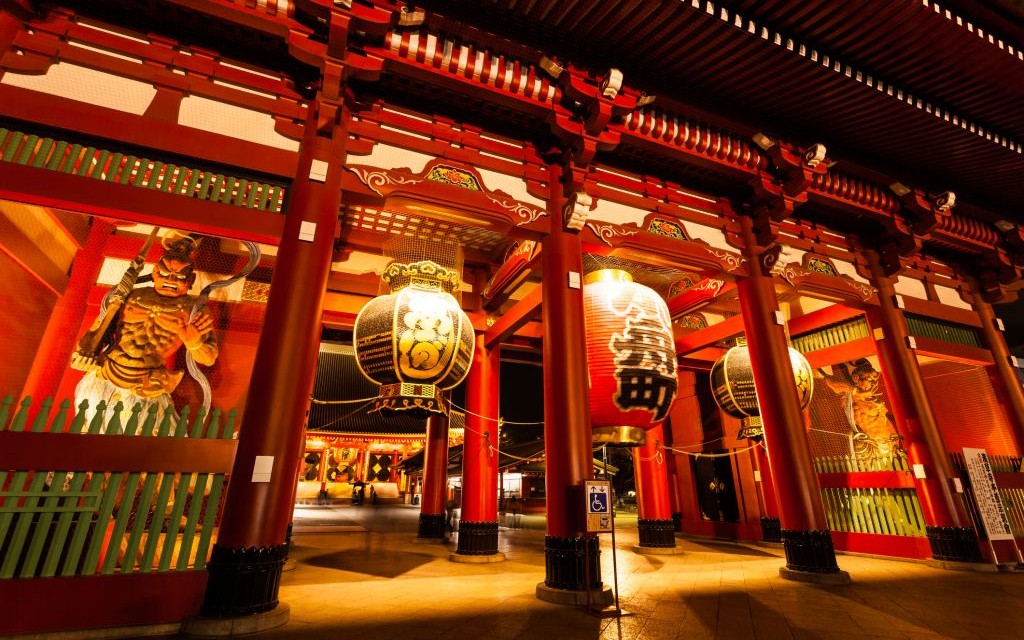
x=359, y=574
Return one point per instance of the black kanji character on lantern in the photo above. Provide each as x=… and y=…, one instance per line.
x=645, y=367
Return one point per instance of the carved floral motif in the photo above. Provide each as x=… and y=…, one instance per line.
x=524, y=212
x=731, y=260
x=819, y=265
x=710, y=284
x=376, y=180
x=792, y=273
x=607, y=231
x=454, y=177
x=693, y=321
x=667, y=228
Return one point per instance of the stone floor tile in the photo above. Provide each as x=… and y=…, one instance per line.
x=371, y=581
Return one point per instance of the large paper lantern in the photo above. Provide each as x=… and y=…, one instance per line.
x=631, y=357
x=732, y=383
x=415, y=341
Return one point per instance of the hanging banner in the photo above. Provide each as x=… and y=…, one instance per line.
x=986, y=494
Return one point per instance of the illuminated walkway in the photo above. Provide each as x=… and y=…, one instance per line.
x=359, y=575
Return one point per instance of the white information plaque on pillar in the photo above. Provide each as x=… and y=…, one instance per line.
x=599, y=505
x=986, y=494
x=262, y=468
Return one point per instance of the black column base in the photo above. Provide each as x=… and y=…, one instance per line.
x=771, y=529
x=656, y=533
x=243, y=581
x=677, y=522
x=955, y=544
x=809, y=551
x=564, y=566
x=478, y=538
x=431, y=526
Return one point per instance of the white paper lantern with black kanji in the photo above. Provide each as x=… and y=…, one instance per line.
x=631, y=357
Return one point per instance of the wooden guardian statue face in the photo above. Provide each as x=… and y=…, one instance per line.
x=173, y=277
x=174, y=273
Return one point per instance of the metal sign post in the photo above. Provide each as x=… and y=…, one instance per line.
x=598, y=496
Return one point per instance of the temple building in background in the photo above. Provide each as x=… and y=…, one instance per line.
x=253, y=252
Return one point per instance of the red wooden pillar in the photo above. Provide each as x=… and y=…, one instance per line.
x=478, y=527
x=568, y=443
x=654, y=504
x=771, y=526
x=61, y=334
x=805, y=535
x=671, y=466
x=685, y=423
x=245, y=566
x=949, y=532
x=435, y=479
x=1006, y=379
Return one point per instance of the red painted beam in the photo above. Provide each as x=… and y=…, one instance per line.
x=706, y=337
x=25, y=252
x=939, y=311
x=829, y=315
x=524, y=311
x=867, y=480
x=29, y=450
x=697, y=296
x=951, y=351
x=108, y=200
x=92, y=120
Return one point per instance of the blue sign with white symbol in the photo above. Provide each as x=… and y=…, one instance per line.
x=599, y=513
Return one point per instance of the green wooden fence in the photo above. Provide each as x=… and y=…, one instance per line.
x=111, y=501
x=124, y=168
x=925, y=327
x=893, y=512
x=872, y=495
x=832, y=335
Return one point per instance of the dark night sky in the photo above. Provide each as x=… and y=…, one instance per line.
x=522, y=399
x=1012, y=316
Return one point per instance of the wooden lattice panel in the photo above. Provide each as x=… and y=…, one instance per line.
x=387, y=222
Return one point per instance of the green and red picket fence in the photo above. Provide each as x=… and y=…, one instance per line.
x=69, y=157
x=85, y=497
x=871, y=505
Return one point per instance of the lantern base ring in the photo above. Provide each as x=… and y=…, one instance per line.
x=623, y=436
x=417, y=400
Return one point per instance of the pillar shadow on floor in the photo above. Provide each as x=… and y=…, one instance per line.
x=383, y=564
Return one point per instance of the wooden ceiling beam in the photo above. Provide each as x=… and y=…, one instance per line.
x=523, y=312
x=724, y=330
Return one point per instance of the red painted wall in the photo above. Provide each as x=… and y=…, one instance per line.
x=24, y=311
x=966, y=408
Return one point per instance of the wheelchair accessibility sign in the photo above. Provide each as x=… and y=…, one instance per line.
x=599, y=513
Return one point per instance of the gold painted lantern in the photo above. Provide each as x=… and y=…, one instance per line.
x=415, y=341
x=732, y=383
x=631, y=357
